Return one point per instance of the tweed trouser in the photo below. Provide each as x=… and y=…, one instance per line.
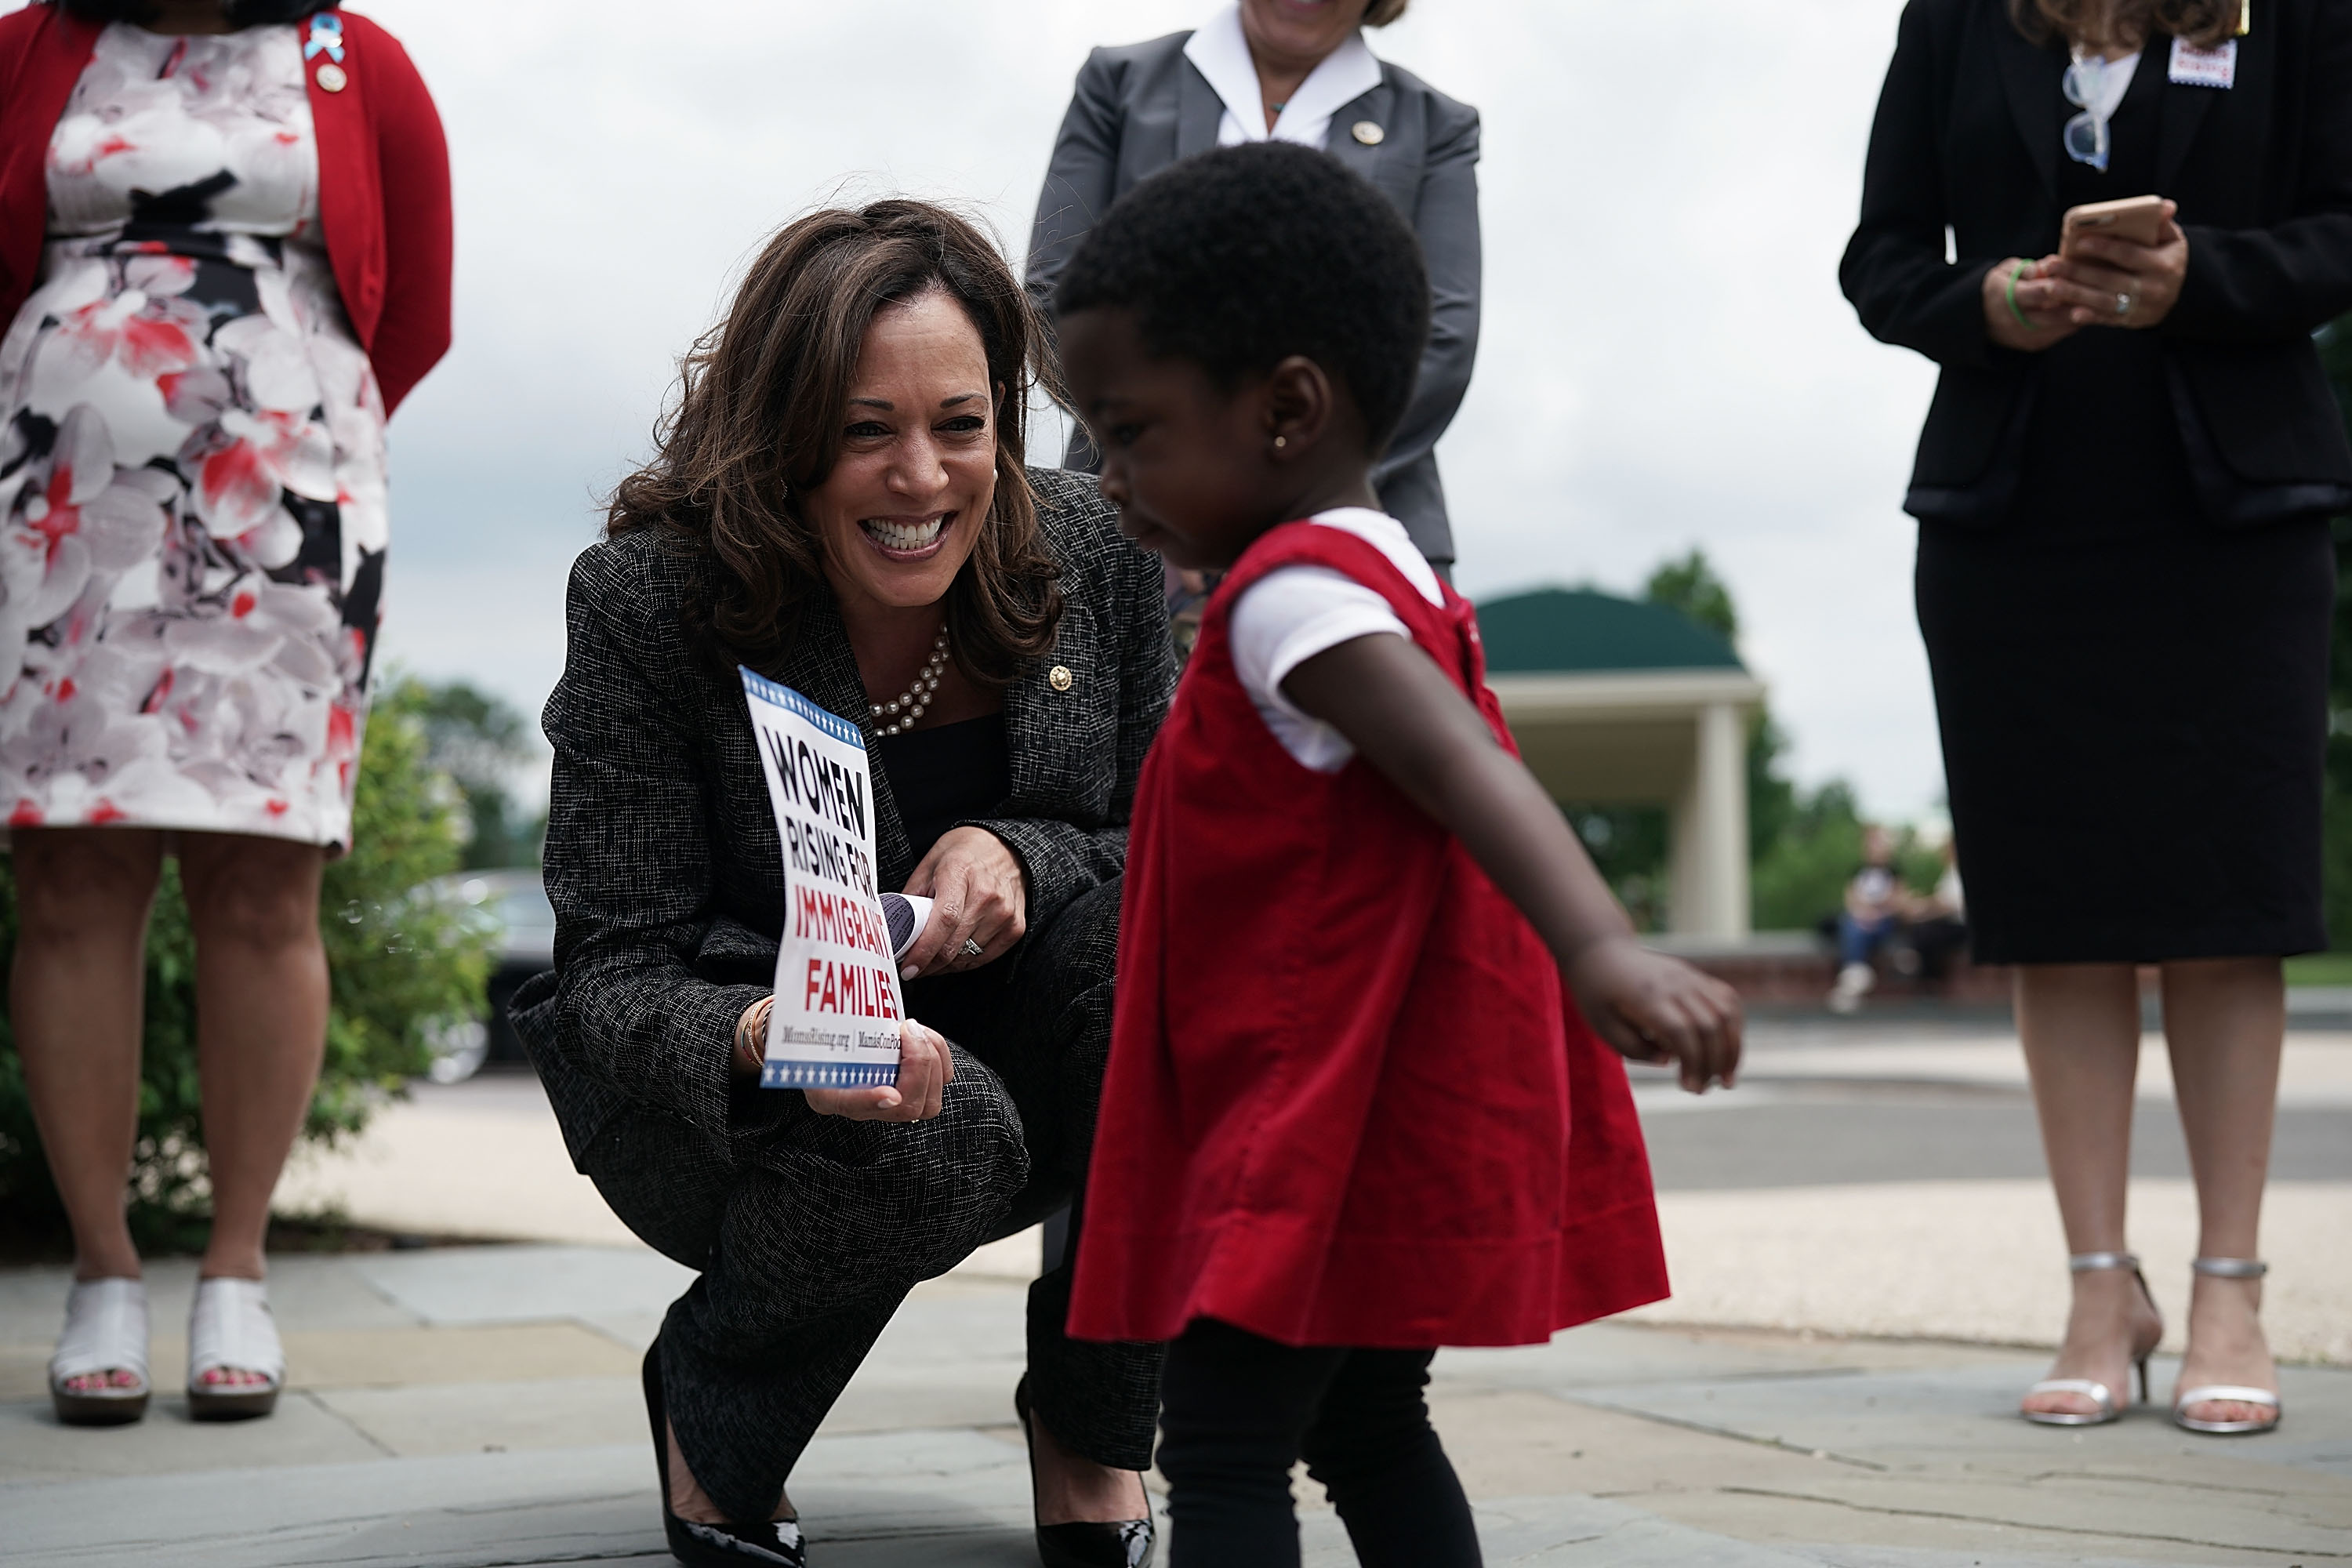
x=810, y=1230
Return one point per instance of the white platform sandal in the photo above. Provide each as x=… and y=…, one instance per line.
x=106, y=1332
x=230, y=1329
x=2098, y=1393
x=2239, y=1394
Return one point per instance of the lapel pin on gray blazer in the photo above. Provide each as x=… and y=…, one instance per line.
x=1140, y=107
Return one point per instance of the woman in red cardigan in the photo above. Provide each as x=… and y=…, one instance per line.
x=224, y=260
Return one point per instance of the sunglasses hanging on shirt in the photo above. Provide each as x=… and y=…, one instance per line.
x=2095, y=84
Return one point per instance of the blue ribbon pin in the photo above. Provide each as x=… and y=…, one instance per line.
x=326, y=37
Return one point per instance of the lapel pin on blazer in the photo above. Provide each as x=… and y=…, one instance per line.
x=326, y=38
x=1059, y=678
x=1367, y=132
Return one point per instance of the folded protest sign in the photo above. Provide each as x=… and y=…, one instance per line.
x=908, y=915
x=836, y=1020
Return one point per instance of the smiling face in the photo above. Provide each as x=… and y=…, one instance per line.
x=1297, y=33
x=1182, y=459
x=903, y=507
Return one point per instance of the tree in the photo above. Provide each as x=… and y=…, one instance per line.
x=479, y=742
x=405, y=965
x=1691, y=586
x=1801, y=875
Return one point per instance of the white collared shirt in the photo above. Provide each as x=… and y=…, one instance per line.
x=1220, y=52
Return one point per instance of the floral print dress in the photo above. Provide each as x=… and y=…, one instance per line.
x=192, y=518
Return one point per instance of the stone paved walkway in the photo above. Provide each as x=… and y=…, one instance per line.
x=1863, y=1179
x=477, y=1406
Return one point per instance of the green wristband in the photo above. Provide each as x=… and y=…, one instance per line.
x=2014, y=273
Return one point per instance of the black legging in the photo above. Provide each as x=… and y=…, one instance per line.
x=1237, y=1411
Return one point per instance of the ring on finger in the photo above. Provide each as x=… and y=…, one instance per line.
x=972, y=948
x=2124, y=301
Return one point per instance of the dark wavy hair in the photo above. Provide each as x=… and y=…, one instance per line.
x=2204, y=23
x=241, y=13
x=757, y=423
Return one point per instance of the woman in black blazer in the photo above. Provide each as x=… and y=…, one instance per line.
x=2125, y=577
x=1140, y=107
x=839, y=503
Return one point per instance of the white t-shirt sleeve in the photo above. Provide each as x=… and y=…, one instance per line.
x=1286, y=618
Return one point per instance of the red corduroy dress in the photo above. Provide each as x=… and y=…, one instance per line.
x=1348, y=1103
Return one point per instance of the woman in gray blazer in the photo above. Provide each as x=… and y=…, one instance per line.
x=1257, y=71
x=839, y=502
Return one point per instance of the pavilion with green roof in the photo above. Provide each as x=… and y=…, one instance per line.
x=1621, y=703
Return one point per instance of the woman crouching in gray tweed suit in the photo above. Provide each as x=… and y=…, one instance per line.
x=840, y=502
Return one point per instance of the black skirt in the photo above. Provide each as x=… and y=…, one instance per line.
x=2134, y=734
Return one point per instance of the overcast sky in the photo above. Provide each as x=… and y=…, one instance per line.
x=1666, y=360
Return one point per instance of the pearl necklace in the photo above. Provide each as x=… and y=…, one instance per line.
x=917, y=696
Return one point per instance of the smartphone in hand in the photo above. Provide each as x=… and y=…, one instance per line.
x=2139, y=219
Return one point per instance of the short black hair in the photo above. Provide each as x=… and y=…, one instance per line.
x=241, y=13
x=1237, y=259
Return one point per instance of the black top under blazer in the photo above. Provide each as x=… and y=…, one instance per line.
x=1967, y=137
x=663, y=860
x=1137, y=107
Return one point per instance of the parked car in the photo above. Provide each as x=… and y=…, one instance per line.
x=515, y=903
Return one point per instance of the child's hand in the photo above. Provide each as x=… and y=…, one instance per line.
x=1415, y=728
x=1653, y=1009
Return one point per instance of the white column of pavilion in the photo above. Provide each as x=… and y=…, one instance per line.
x=1675, y=737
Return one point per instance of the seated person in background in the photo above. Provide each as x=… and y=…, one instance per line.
x=1874, y=900
x=1937, y=926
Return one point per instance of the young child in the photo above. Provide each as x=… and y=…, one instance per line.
x=1348, y=1116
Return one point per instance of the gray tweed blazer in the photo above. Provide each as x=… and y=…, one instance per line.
x=663, y=860
x=1137, y=107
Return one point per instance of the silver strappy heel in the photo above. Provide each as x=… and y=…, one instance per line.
x=2227, y=1268
x=2097, y=1393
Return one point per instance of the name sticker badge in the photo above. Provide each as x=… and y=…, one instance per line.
x=2193, y=66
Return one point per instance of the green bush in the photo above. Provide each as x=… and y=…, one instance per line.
x=405, y=965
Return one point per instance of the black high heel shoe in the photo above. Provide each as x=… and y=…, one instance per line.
x=711, y=1546
x=1085, y=1544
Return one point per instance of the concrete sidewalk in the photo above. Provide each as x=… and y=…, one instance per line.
x=1862, y=1243
x=1872, y=1181
x=478, y=1405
